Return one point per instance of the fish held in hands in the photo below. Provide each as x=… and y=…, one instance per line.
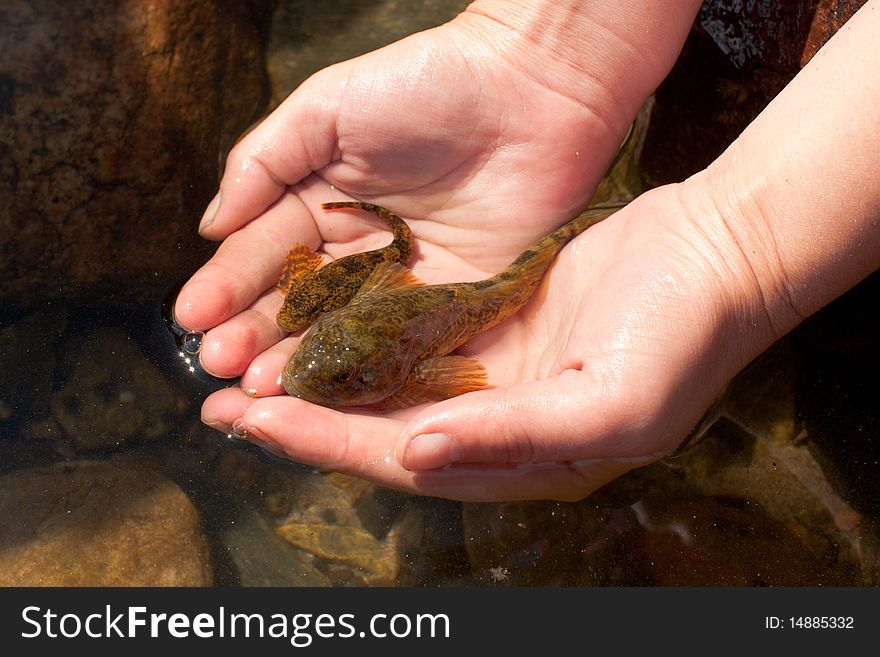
x=311, y=290
x=390, y=346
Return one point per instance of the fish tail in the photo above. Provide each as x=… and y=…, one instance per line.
x=402, y=242
x=531, y=265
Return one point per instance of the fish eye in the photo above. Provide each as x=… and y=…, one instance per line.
x=348, y=374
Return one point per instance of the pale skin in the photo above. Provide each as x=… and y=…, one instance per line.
x=488, y=133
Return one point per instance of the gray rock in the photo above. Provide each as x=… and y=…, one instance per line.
x=262, y=558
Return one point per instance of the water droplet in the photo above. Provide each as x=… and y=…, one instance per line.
x=192, y=342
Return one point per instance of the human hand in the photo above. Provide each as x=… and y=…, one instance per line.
x=629, y=339
x=466, y=127
x=374, y=129
x=450, y=126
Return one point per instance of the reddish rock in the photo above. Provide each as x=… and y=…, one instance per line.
x=115, y=117
x=713, y=542
x=737, y=58
x=829, y=17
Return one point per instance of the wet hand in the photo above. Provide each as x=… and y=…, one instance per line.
x=484, y=142
x=632, y=335
x=438, y=127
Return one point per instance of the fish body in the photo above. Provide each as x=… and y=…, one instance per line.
x=389, y=347
x=312, y=290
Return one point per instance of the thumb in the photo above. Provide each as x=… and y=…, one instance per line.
x=298, y=137
x=565, y=418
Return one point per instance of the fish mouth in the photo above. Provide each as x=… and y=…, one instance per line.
x=292, y=325
x=291, y=385
x=295, y=387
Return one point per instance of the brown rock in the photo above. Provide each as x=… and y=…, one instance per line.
x=111, y=394
x=98, y=524
x=829, y=17
x=114, y=118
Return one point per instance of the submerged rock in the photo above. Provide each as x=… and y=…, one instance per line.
x=545, y=543
x=750, y=505
x=330, y=523
x=91, y=523
x=757, y=451
x=27, y=352
x=262, y=558
x=715, y=541
x=111, y=394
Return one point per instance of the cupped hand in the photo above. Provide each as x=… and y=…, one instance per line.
x=482, y=157
x=634, y=331
x=440, y=128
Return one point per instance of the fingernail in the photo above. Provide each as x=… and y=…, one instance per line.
x=240, y=430
x=210, y=213
x=429, y=451
x=219, y=425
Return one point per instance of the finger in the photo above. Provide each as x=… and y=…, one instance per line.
x=228, y=349
x=361, y=445
x=567, y=482
x=263, y=375
x=297, y=138
x=245, y=265
x=563, y=418
x=223, y=407
x=357, y=444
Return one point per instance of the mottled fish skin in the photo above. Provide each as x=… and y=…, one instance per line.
x=388, y=347
x=313, y=292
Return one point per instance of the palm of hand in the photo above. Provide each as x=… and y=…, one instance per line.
x=398, y=127
x=436, y=129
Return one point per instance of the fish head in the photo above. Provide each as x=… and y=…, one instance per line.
x=344, y=363
x=315, y=293
x=302, y=306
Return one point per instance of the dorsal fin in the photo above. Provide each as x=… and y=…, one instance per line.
x=386, y=277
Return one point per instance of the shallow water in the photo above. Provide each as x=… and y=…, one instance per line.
x=782, y=491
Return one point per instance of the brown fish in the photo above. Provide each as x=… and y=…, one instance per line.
x=388, y=348
x=311, y=290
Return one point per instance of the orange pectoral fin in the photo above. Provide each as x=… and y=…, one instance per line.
x=436, y=379
x=300, y=261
